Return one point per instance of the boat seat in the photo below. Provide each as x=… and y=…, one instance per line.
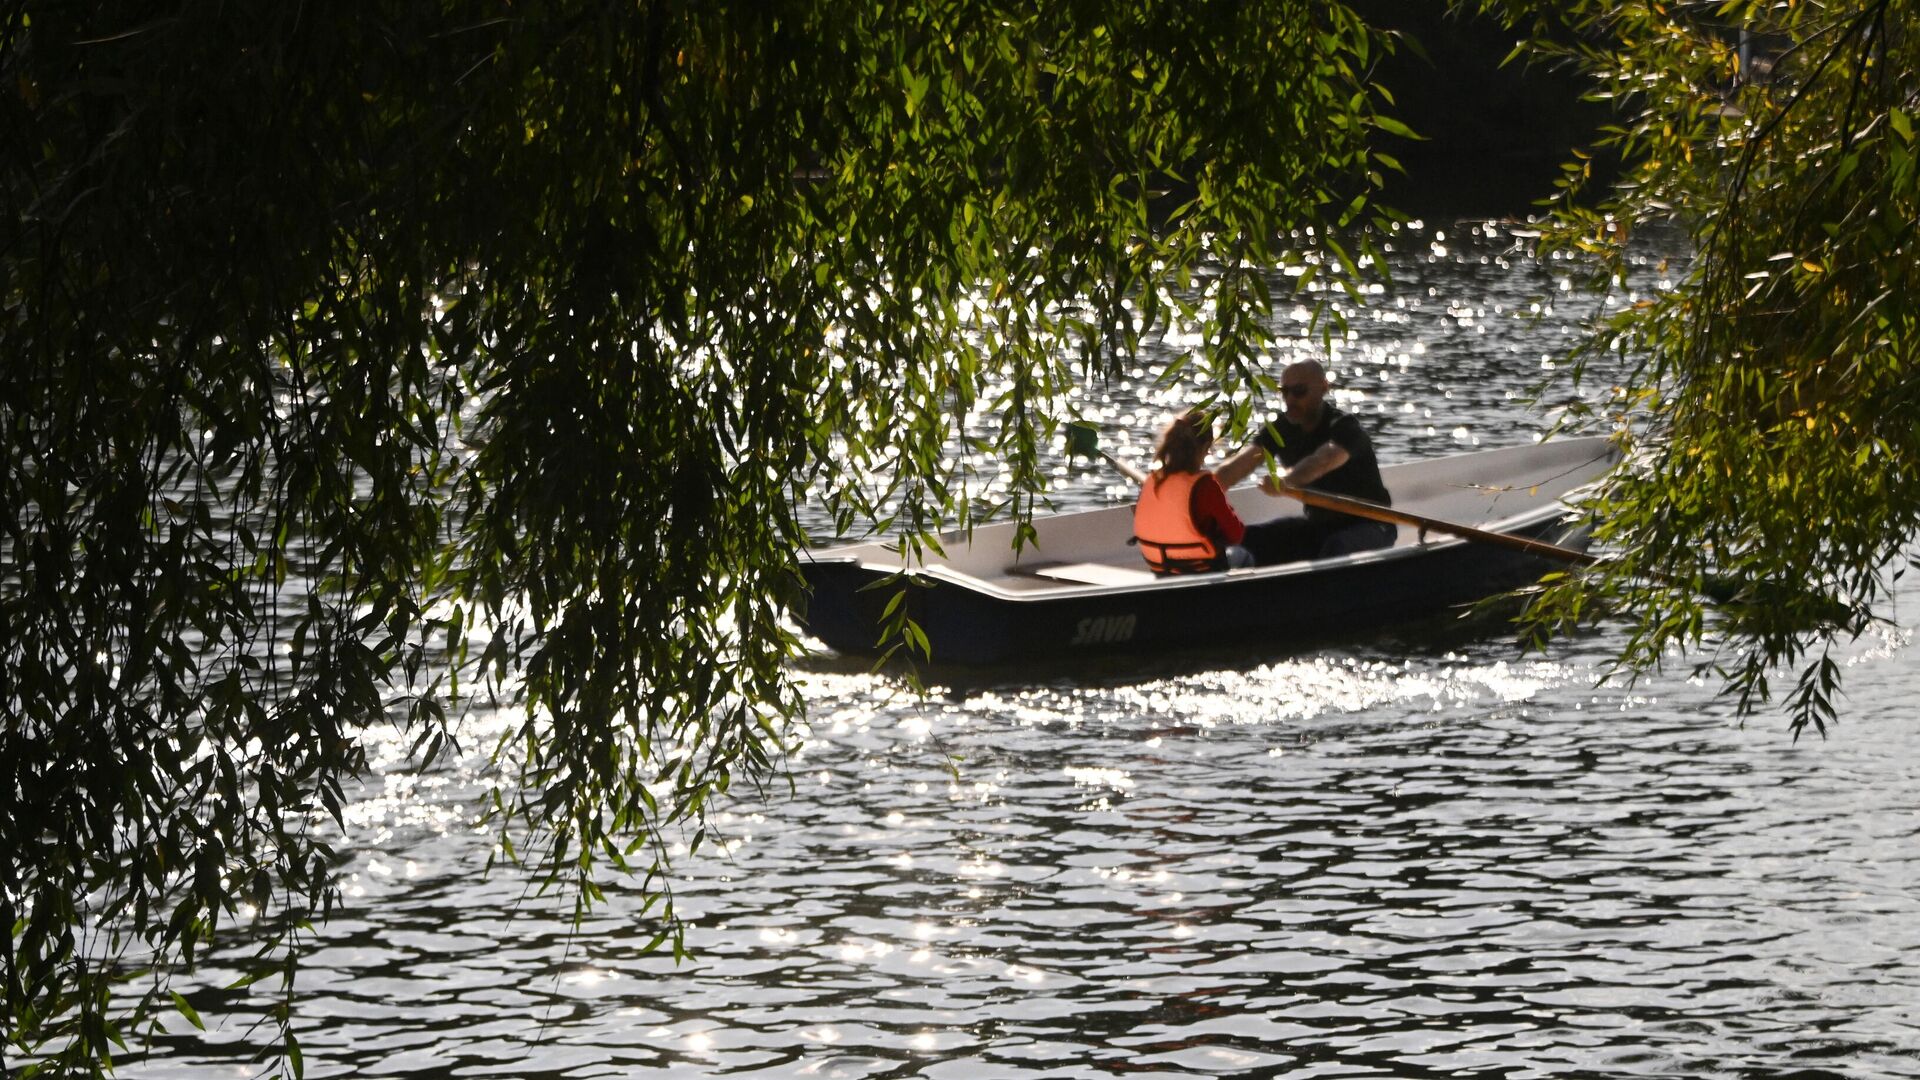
x=1083, y=573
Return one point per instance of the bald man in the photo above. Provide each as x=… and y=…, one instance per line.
x=1322, y=448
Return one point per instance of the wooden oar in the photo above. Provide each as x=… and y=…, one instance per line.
x=1083, y=437
x=1368, y=509
x=1130, y=472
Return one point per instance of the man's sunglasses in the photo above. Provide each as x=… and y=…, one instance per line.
x=1297, y=390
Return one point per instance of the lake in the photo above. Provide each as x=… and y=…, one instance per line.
x=1429, y=854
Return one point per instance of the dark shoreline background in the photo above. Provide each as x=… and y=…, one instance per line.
x=1496, y=135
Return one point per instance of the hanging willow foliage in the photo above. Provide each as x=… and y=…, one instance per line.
x=1778, y=378
x=359, y=360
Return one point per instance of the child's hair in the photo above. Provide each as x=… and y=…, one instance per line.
x=1184, y=442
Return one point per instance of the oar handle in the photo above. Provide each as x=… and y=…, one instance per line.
x=1368, y=509
x=1131, y=473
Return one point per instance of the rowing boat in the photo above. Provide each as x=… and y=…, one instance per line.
x=1080, y=587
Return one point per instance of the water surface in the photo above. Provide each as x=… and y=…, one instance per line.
x=1429, y=854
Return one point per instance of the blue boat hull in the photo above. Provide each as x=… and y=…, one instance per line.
x=1325, y=601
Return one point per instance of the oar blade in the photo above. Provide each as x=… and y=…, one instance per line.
x=1083, y=439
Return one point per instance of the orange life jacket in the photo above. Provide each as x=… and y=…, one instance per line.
x=1163, y=525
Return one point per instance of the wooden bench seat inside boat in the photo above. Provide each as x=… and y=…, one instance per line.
x=1082, y=573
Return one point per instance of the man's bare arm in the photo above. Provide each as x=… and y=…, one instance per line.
x=1239, y=466
x=1326, y=458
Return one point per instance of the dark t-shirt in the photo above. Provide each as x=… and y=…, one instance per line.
x=1358, y=478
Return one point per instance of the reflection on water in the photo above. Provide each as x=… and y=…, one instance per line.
x=1424, y=856
x=1343, y=864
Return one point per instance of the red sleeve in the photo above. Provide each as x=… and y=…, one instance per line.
x=1212, y=513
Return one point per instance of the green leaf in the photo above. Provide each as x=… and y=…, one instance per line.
x=1395, y=127
x=181, y=1005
